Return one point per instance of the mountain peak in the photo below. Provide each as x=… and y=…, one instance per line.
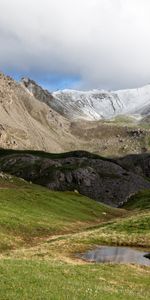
x=94, y=104
x=101, y=104
x=33, y=118
x=36, y=90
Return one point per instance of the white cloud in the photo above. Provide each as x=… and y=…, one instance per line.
x=105, y=42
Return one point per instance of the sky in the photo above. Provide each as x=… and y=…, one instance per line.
x=78, y=44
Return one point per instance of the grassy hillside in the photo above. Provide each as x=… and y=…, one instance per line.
x=41, y=233
x=28, y=212
x=140, y=201
x=51, y=269
x=132, y=231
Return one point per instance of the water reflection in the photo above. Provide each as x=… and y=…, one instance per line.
x=105, y=254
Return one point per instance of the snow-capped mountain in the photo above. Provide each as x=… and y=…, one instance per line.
x=28, y=120
x=99, y=104
x=95, y=104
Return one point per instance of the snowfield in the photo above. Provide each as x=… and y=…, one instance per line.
x=100, y=104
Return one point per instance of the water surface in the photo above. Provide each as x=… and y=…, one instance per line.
x=124, y=255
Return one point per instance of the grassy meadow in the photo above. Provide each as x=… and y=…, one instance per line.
x=41, y=233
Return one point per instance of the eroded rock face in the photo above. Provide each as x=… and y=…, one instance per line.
x=26, y=122
x=39, y=93
x=98, y=178
x=94, y=105
x=139, y=164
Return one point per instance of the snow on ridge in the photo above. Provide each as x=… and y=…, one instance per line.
x=97, y=104
x=94, y=104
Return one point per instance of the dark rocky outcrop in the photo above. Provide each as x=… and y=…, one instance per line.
x=139, y=164
x=101, y=179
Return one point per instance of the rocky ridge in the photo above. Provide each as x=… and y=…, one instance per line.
x=95, y=104
x=99, y=178
x=28, y=121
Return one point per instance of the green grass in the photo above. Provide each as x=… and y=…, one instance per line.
x=124, y=120
x=133, y=230
x=139, y=201
x=133, y=224
x=45, y=281
x=29, y=211
x=42, y=231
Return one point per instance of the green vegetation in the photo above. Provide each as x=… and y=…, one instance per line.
x=133, y=231
x=124, y=120
x=28, y=211
x=41, y=280
x=41, y=233
x=5, y=152
x=139, y=201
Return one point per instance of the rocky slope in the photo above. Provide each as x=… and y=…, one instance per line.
x=118, y=136
x=101, y=179
x=95, y=104
x=139, y=164
x=99, y=104
x=28, y=121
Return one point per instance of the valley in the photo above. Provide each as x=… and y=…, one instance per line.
x=74, y=176
x=74, y=150
x=42, y=232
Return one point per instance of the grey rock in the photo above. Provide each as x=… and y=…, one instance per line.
x=101, y=179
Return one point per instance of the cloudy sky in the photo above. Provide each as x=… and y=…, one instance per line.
x=79, y=44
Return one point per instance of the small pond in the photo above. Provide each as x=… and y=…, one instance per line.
x=123, y=255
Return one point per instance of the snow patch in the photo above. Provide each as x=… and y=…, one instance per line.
x=100, y=104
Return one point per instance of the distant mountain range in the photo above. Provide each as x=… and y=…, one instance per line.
x=106, y=123
x=95, y=104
